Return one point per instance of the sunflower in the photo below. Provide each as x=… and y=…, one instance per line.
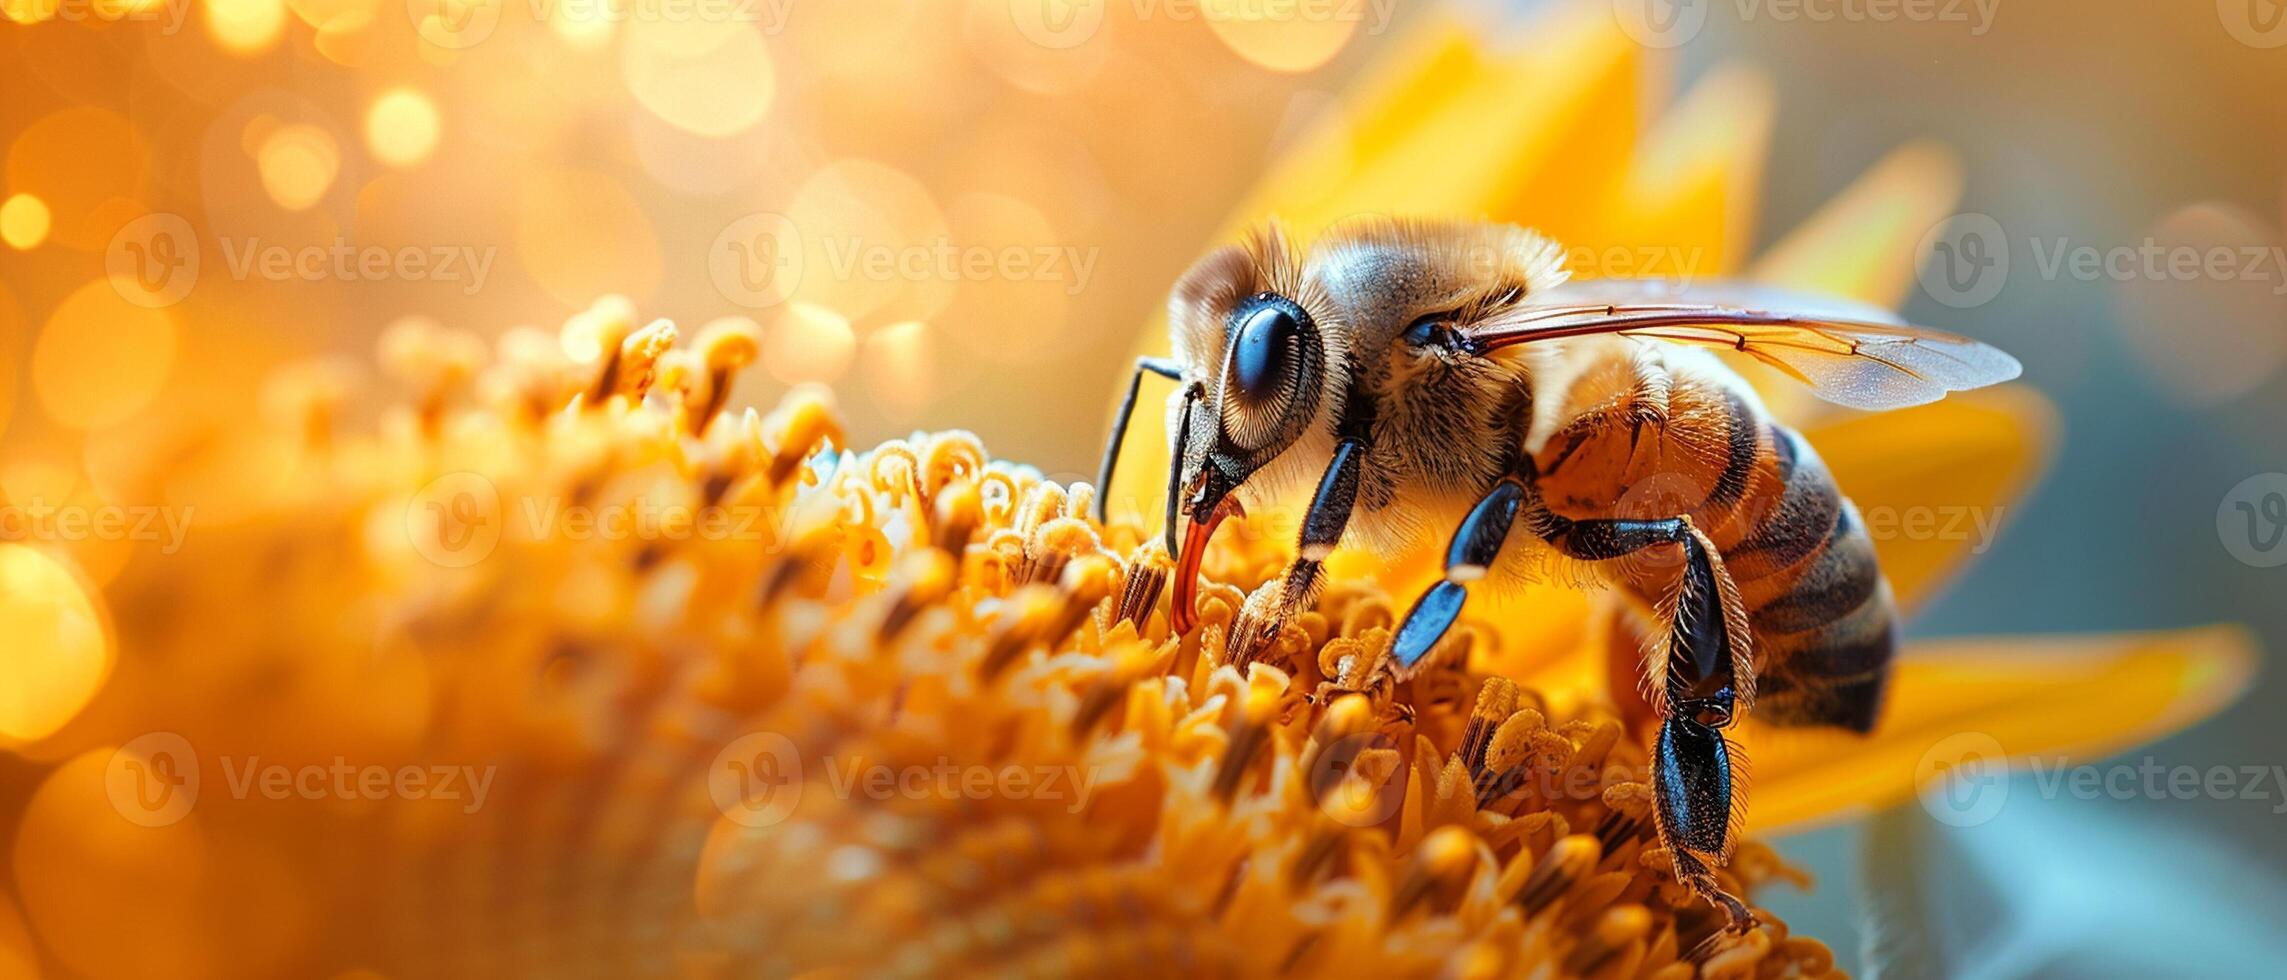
x=551, y=660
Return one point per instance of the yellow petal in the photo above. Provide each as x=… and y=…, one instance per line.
x=1427, y=67
x=1863, y=244
x=2061, y=700
x=1504, y=133
x=1685, y=207
x=1935, y=481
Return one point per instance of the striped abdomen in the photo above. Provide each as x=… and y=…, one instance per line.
x=1655, y=434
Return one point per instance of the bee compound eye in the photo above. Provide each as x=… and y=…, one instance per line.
x=1265, y=351
x=1273, y=359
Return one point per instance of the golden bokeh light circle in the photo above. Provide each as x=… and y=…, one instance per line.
x=23, y=222
x=712, y=78
x=58, y=652
x=871, y=236
x=101, y=358
x=1291, y=35
x=402, y=127
x=245, y=26
x=297, y=164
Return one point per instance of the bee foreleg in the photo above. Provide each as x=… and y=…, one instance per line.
x=1160, y=366
x=1475, y=545
x=1322, y=527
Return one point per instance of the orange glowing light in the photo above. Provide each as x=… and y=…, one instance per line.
x=710, y=78
x=59, y=653
x=298, y=163
x=100, y=358
x=402, y=127
x=1284, y=36
x=245, y=26
x=23, y=222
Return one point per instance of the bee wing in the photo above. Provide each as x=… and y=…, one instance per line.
x=1849, y=354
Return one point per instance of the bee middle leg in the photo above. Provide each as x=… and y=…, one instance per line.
x=1476, y=543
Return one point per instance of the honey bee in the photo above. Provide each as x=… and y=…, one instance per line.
x=1411, y=377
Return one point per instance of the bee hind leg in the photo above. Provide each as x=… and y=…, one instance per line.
x=1701, y=676
x=1693, y=791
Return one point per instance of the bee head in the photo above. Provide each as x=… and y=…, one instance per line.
x=1262, y=377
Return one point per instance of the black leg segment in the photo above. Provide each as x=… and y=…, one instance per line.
x=1160, y=366
x=1322, y=527
x=1475, y=544
x=1692, y=778
x=1330, y=507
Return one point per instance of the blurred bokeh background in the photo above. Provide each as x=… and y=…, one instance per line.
x=964, y=212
